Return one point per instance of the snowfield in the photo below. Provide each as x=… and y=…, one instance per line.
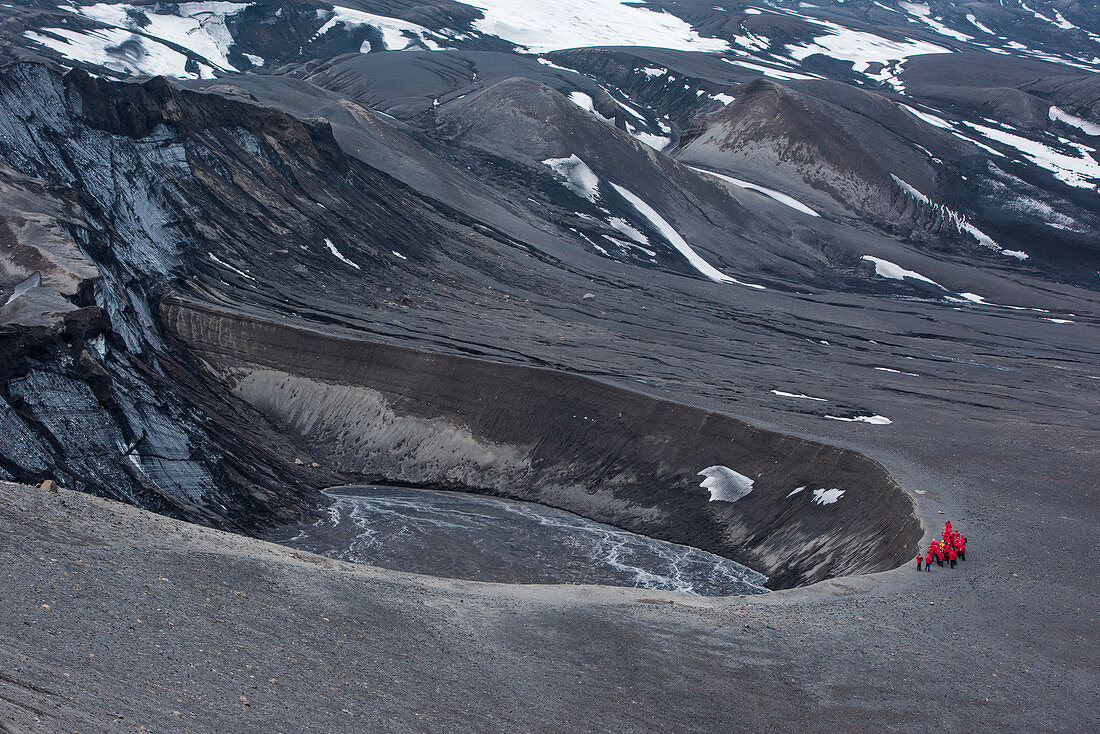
x=542, y=27
x=141, y=48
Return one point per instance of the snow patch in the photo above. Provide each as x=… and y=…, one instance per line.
x=769, y=71
x=677, y=241
x=724, y=484
x=887, y=269
x=796, y=490
x=226, y=265
x=657, y=142
x=583, y=101
x=896, y=372
x=827, y=496
x=332, y=248
x=878, y=420
x=800, y=396
x=1088, y=128
x=579, y=178
x=779, y=196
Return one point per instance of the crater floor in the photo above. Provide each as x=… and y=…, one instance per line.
x=467, y=536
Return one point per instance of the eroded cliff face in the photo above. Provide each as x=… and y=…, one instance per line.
x=386, y=413
x=208, y=407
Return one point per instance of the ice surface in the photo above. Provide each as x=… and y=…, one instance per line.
x=1081, y=171
x=492, y=539
x=542, y=26
x=796, y=490
x=623, y=226
x=677, y=241
x=724, y=484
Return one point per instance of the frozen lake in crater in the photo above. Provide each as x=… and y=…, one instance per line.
x=481, y=538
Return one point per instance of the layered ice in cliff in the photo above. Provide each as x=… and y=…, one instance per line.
x=724, y=484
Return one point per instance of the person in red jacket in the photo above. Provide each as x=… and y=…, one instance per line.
x=962, y=547
x=928, y=561
x=920, y=560
x=951, y=555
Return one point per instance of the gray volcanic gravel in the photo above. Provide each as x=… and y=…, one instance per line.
x=117, y=619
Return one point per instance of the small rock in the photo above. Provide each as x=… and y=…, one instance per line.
x=49, y=486
x=299, y=462
x=588, y=296
x=315, y=465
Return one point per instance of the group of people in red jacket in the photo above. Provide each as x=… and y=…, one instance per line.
x=950, y=550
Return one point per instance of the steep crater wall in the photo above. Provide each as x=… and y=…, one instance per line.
x=388, y=413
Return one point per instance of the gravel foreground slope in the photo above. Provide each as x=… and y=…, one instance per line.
x=117, y=619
